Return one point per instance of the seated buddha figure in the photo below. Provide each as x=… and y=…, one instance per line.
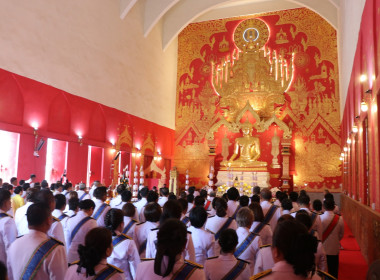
x=249, y=148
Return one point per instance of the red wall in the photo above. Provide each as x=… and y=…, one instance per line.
x=63, y=116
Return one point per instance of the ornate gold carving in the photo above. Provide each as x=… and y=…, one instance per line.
x=148, y=144
x=252, y=34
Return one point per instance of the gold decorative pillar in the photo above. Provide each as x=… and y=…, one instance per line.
x=285, y=152
x=211, y=154
x=173, y=182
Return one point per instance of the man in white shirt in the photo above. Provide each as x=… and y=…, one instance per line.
x=60, y=204
x=271, y=212
x=143, y=201
x=232, y=203
x=82, y=194
x=333, y=231
x=8, y=230
x=28, y=252
x=95, y=185
x=101, y=208
x=164, y=192
x=20, y=216
x=116, y=201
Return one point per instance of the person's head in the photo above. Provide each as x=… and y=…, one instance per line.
x=293, y=244
x=224, y=196
x=191, y=190
x=13, y=181
x=126, y=196
x=44, y=184
x=32, y=178
x=129, y=210
x=287, y=204
x=58, y=187
x=183, y=195
x=304, y=201
x=244, y=201
x=256, y=190
x=53, y=186
x=97, y=246
x=74, y=204
x=164, y=191
x=8, y=187
x=144, y=192
x=87, y=206
x=5, y=200
x=73, y=194
x=203, y=193
x=255, y=198
x=190, y=198
x=152, y=196
x=220, y=207
x=329, y=204
x=47, y=197
x=212, y=194
x=82, y=186
x=293, y=196
x=199, y=201
x=3, y=271
x=60, y=201
x=266, y=194
x=304, y=218
x=172, y=196
x=101, y=193
x=30, y=194
x=171, y=210
x=244, y=217
x=285, y=217
x=303, y=192
x=18, y=190
x=120, y=188
x=152, y=212
x=228, y=240
x=317, y=205
x=198, y=216
x=171, y=241
x=257, y=211
x=233, y=194
x=39, y=217
x=184, y=205
x=114, y=220
x=25, y=186
x=329, y=196
x=68, y=187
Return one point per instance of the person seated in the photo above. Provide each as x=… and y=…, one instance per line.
x=129, y=211
x=271, y=212
x=233, y=204
x=101, y=208
x=199, y=201
x=243, y=201
x=258, y=225
x=8, y=230
x=171, y=209
x=203, y=240
x=287, y=206
x=255, y=198
x=168, y=262
x=226, y=266
x=151, y=197
x=249, y=242
x=82, y=194
x=264, y=259
x=124, y=255
x=142, y=202
x=190, y=202
x=293, y=251
x=164, y=193
x=317, y=206
x=60, y=205
x=92, y=263
x=73, y=207
x=208, y=203
x=293, y=196
x=184, y=218
x=116, y=201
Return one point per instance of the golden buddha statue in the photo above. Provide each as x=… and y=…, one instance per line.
x=249, y=148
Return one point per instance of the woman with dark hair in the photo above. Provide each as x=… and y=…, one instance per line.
x=168, y=262
x=125, y=255
x=93, y=255
x=258, y=226
x=293, y=252
x=227, y=266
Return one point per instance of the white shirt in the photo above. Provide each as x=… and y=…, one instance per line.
x=317, y=226
x=141, y=234
x=320, y=257
x=187, y=254
x=331, y=244
x=72, y=273
x=145, y=271
x=58, y=213
x=80, y=193
x=54, y=265
x=116, y=202
x=140, y=204
x=232, y=206
x=100, y=219
x=249, y=254
x=72, y=246
x=8, y=234
x=131, y=230
x=126, y=257
x=264, y=259
x=21, y=220
x=282, y=270
x=266, y=205
x=214, y=223
x=162, y=200
x=266, y=233
x=217, y=268
x=70, y=213
x=91, y=192
x=189, y=207
x=204, y=244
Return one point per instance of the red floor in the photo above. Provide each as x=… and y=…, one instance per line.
x=352, y=264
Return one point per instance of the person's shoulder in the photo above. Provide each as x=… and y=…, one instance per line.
x=194, y=264
x=261, y=275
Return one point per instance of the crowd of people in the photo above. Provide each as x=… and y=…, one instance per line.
x=59, y=231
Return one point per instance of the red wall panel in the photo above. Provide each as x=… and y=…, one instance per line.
x=77, y=162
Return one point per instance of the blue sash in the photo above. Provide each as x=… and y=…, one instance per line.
x=3, y=215
x=106, y=273
x=99, y=211
x=118, y=239
x=37, y=258
x=82, y=196
x=235, y=271
x=270, y=214
x=185, y=220
x=62, y=217
x=225, y=226
x=244, y=245
x=313, y=217
x=128, y=227
x=258, y=228
x=142, y=247
x=184, y=272
x=235, y=213
x=78, y=226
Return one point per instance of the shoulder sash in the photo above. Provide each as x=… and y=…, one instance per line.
x=78, y=226
x=62, y=217
x=330, y=227
x=82, y=196
x=235, y=213
x=236, y=270
x=99, y=211
x=261, y=274
x=207, y=204
x=270, y=214
x=258, y=228
x=3, y=215
x=223, y=227
x=128, y=227
x=245, y=244
x=37, y=258
x=142, y=247
x=118, y=239
x=185, y=220
x=324, y=275
x=107, y=273
x=185, y=271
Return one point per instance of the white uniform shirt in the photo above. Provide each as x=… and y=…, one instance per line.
x=264, y=260
x=320, y=257
x=282, y=270
x=115, y=202
x=162, y=200
x=126, y=257
x=331, y=244
x=54, y=265
x=91, y=192
x=20, y=219
x=140, y=204
x=249, y=254
x=204, y=244
x=72, y=273
x=131, y=230
x=217, y=268
x=81, y=193
x=189, y=207
x=317, y=226
x=100, y=219
x=145, y=271
x=214, y=223
x=141, y=234
x=187, y=254
x=266, y=205
x=232, y=206
x=70, y=213
x=58, y=213
x=8, y=234
x=72, y=246
x=265, y=233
